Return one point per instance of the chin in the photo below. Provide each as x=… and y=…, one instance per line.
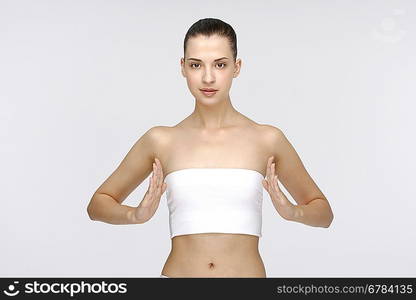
x=208, y=100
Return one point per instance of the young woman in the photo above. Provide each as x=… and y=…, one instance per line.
x=214, y=165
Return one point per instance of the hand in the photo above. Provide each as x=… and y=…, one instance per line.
x=283, y=206
x=151, y=199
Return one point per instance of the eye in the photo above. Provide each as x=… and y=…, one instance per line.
x=217, y=64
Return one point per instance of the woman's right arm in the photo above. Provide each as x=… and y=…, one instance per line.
x=105, y=205
x=105, y=208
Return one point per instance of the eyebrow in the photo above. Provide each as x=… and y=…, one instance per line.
x=191, y=58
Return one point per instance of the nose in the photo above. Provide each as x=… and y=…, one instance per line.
x=208, y=76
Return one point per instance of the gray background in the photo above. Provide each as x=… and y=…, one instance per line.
x=81, y=81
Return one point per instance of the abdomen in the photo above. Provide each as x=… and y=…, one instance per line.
x=214, y=255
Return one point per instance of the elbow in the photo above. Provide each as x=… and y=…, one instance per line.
x=329, y=219
x=90, y=211
x=329, y=215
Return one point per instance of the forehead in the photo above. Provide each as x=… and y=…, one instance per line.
x=204, y=47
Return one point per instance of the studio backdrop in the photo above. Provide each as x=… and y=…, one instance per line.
x=81, y=81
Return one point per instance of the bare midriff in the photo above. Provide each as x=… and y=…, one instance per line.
x=214, y=255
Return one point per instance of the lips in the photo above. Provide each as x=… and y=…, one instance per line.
x=208, y=90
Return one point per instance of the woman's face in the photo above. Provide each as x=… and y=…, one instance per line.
x=209, y=63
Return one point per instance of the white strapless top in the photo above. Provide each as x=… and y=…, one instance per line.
x=222, y=200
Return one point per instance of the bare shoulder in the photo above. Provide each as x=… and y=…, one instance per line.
x=270, y=130
x=275, y=141
x=157, y=133
x=150, y=143
x=271, y=134
x=160, y=137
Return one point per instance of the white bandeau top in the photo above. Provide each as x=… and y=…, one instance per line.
x=221, y=200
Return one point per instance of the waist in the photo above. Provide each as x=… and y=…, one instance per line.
x=215, y=243
x=214, y=255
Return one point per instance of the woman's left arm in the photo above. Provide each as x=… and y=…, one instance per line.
x=286, y=166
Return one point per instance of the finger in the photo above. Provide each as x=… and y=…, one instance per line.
x=273, y=170
x=160, y=170
x=152, y=178
x=159, y=165
x=161, y=186
x=265, y=184
x=269, y=164
x=150, y=184
x=274, y=182
x=158, y=182
x=156, y=172
x=153, y=181
x=267, y=169
x=160, y=175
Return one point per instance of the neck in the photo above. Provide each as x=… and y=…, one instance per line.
x=214, y=116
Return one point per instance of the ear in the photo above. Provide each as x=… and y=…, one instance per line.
x=237, y=67
x=183, y=67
